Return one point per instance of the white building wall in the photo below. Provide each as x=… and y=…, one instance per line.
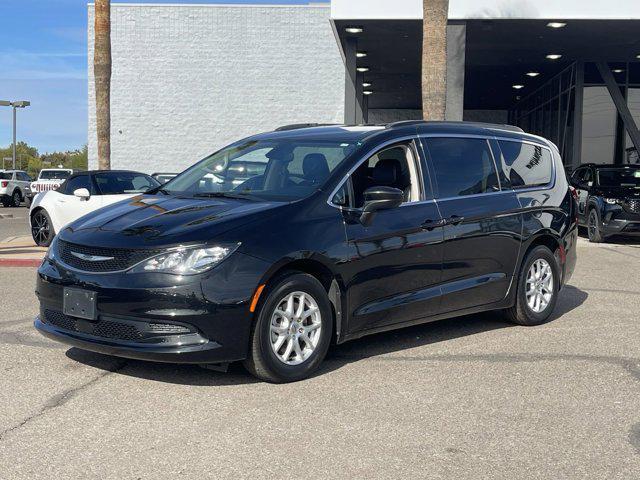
x=189, y=79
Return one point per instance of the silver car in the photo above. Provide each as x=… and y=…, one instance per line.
x=14, y=187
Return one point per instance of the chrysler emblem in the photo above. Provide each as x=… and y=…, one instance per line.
x=91, y=258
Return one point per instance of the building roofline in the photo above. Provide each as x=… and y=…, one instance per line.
x=218, y=5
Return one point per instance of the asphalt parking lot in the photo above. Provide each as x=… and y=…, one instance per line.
x=465, y=398
x=13, y=222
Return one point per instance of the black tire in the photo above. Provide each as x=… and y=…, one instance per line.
x=6, y=202
x=262, y=361
x=42, y=230
x=27, y=201
x=521, y=313
x=593, y=227
x=16, y=198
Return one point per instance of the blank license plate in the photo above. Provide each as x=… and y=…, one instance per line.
x=79, y=303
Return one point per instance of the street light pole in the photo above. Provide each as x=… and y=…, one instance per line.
x=14, y=137
x=15, y=106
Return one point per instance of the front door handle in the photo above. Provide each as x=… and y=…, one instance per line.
x=454, y=220
x=432, y=224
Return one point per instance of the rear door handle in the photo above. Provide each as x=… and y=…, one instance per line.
x=454, y=220
x=432, y=224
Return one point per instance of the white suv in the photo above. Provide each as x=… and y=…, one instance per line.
x=14, y=187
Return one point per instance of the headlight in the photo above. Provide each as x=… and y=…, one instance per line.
x=613, y=201
x=186, y=261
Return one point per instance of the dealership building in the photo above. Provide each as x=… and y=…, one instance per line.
x=188, y=79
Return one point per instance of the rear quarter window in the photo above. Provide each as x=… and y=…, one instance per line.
x=525, y=164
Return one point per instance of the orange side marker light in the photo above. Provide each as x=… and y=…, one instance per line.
x=256, y=297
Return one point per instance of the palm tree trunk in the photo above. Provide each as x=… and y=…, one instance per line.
x=434, y=59
x=102, y=75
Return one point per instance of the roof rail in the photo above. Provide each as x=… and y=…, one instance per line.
x=499, y=126
x=296, y=126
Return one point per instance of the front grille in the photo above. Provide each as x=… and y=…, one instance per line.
x=113, y=329
x=116, y=258
x=632, y=205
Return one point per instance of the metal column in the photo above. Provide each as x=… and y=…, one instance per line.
x=620, y=103
x=350, y=97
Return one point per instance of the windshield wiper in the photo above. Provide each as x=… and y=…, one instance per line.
x=242, y=196
x=155, y=190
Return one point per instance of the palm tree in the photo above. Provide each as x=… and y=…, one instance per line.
x=102, y=75
x=434, y=59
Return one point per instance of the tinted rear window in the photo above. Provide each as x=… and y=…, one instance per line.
x=526, y=165
x=5, y=176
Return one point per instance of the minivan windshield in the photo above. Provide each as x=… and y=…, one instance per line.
x=273, y=169
x=619, y=177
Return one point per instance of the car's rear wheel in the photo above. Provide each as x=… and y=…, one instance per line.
x=538, y=285
x=292, y=331
x=41, y=228
x=593, y=227
x=16, y=198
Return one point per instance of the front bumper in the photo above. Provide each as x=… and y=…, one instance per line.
x=201, y=320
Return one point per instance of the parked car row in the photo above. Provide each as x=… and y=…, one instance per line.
x=14, y=187
x=271, y=249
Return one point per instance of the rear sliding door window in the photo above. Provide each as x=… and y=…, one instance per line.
x=526, y=165
x=463, y=166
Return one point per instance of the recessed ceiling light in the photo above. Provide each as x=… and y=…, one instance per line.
x=367, y=92
x=353, y=30
x=362, y=69
x=618, y=70
x=518, y=87
x=366, y=85
x=556, y=24
x=554, y=56
x=361, y=54
x=533, y=74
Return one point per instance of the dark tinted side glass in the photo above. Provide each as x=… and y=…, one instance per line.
x=116, y=183
x=74, y=183
x=526, y=165
x=462, y=166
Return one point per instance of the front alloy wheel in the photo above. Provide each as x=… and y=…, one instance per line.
x=292, y=329
x=593, y=227
x=41, y=229
x=296, y=327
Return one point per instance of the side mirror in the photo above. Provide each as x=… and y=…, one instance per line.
x=379, y=198
x=82, y=193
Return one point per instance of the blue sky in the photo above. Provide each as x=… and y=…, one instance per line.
x=43, y=58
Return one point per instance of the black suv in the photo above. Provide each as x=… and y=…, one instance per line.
x=340, y=232
x=608, y=199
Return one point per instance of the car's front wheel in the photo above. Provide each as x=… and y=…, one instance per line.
x=538, y=285
x=292, y=331
x=41, y=228
x=593, y=227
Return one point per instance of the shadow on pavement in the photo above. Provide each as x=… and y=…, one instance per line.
x=338, y=356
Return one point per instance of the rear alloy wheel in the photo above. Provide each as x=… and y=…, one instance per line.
x=292, y=331
x=538, y=285
x=593, y=227
x=16, y=199
x=41, y=228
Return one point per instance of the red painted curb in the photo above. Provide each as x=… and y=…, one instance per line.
x=20, y=262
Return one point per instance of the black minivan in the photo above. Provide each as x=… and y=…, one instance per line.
x=274, y=247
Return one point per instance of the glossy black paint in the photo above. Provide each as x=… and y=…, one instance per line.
x=410, y=264
x=615, y=219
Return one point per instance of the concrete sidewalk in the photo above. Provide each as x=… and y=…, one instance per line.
x=20, y=251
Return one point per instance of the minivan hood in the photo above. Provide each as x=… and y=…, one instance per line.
x=159, y=220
